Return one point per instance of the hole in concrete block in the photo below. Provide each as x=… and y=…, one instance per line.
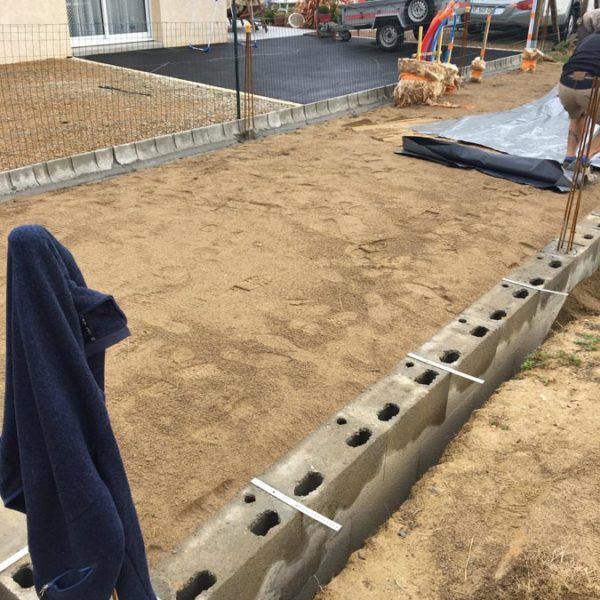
x=341, y=421
x=479, y=331
x=462, y=320
x=196, y=585
x=536, y=281
x=359, y=438
x=554, y=264
x=450, y=356
x=522, y=293
x=389, y=411
x=587, y=236
x=23, y=577
x=309, y=483
x=410, y=364
x=264, y=523
x=249, y=498
x=498, y=315
x=426, y=377
x=505, y=285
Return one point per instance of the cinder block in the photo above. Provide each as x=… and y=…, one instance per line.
x=274, y=120
x=41, y=174
x=183, y=140
x=200, y=136
x=105, y=159
x=146, y=149
x=84, y=164
x=5, y=185
x=215, y=133
x=310, y=110
x=23, y=178
x=16, y=582
x=125, y=154
x=231, y=129
x=60, y=169
x=298, y=114
x=337, y=105
x=165, y=144
x=322, y=108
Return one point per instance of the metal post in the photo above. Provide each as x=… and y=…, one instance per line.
x=236, y=60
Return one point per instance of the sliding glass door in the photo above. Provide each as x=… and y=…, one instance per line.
x=107, y=21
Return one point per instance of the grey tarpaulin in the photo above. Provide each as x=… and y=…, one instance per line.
x=538, y=172
x=536, y=130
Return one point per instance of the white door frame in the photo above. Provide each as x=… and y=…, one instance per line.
x=108, y=38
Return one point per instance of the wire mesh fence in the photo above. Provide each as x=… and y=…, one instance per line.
x=63, y=94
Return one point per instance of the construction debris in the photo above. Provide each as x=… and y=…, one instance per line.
x=424, y=82
x=530, y=58
x=477, y=70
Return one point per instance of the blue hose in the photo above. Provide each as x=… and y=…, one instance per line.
x=436, y=37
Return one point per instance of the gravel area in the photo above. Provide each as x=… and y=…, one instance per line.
x=58, y=107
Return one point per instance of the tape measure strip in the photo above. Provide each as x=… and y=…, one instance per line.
x=533, y=287
x=437, y=365
x=9, y=562
x=265, y=487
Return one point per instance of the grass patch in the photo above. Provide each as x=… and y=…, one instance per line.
x=588, y=342
x=542, y=360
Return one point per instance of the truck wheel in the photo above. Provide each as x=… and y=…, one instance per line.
x=345, y=36
x=390, y=36
x=419, y=12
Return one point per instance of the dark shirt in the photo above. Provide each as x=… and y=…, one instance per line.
x=585, y=59
x=59, y=460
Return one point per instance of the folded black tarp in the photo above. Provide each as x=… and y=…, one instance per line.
x=540, y=173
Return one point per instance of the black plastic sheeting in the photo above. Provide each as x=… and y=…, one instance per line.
x=538, y=172
x=537, y=129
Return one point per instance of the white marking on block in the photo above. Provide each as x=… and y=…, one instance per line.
x=533, y=287
x=9, y=562
x=437, y=365
x=265, y=487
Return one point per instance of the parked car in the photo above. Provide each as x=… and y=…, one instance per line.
x=508, y=14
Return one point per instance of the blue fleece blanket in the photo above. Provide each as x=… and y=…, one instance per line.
x=59, y=460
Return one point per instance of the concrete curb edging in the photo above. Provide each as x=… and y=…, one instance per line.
x=360, y=465
x=94, y=165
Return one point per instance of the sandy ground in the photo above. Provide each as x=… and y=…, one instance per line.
x=512, y=511
x=268, y=283
x=55, y=108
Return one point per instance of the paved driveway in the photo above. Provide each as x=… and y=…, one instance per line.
x=298, y=69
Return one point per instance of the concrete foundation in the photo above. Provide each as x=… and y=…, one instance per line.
x=359, y=466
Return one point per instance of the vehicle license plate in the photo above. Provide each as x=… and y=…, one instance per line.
x=483, y=10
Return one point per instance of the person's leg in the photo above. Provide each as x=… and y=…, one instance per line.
x=575, y=135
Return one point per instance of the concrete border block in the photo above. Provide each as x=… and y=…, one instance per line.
x=322, y=108
x=274, y=120
x=23, y=178
x=231, y=129
x=10, y=589
x=298, y=114
x=105, y=159
x=337, y=105
x=310, y=110
x=146, y=149
x=61, y=169
x=84, y=164
x=41, y=174
x=261, y=122
x=125, y=154
x=165, y=144
x=364, y=98
x=200, y=136
x=353, y=100
x=285, y=116
x=183, y=140
x=374, y=449
x=216, y=133
x=5, y=184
